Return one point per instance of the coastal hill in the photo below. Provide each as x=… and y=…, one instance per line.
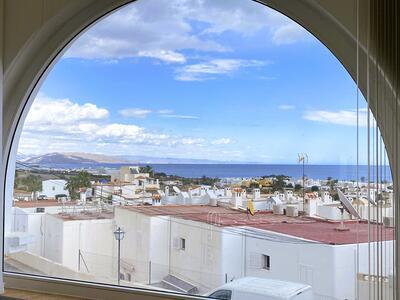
x=59, y=158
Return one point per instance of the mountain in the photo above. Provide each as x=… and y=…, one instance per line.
x=168, y=160
x=58, y=158
x=99, y=158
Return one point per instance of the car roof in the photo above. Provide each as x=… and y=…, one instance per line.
x=264, y=286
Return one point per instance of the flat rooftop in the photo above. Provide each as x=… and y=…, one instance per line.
x=39, y=203
x=80, y=216
x=302, y=227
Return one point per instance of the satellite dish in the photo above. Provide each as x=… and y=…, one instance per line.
x=176, y=189
x=347, y=205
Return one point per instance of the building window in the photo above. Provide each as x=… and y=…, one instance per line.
x=53, y=188
x=265, y=262
x=182, y=244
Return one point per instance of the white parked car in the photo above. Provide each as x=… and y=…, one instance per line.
x=262, y=289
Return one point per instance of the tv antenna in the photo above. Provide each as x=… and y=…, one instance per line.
x=302, y=158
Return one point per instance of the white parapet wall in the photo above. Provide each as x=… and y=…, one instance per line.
x=49, y=267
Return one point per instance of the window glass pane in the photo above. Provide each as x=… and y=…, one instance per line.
x=183, y=145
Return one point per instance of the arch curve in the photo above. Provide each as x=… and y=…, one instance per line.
x=28, y=60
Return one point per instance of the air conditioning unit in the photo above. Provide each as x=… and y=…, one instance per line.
x=388, y=221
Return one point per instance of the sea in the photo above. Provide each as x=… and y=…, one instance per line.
x=340, y=172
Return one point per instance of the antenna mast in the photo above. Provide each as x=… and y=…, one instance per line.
x=303, y=158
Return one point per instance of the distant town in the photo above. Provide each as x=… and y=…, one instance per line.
x=195, y=235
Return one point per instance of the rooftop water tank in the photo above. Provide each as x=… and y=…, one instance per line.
x=292, y=211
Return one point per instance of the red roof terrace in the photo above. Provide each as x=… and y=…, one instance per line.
x=313, y=229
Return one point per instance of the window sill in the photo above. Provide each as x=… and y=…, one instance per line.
x=83, y=289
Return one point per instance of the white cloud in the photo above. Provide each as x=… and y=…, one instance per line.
x=139, y=113
x=187, y=117
x=56, y=112
x=166, y=56
x=162, y=29
x=207, y=70
x=286, y=107
x=221, y=141
x=151, y=28
x=60, y=125
x=165, y=111
x=192, y=141
x=288, y=34
x=169, y=113
x=341, y=117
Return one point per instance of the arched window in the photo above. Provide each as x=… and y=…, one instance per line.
x=128, y=156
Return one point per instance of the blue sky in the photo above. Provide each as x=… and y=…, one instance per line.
x=198, y=79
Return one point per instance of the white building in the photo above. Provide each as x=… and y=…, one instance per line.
x=201, y=246
x=188, y=242
x=81, y=242
x=30, y=220
x=78, y=238
x=53, y=187
x=133, y=175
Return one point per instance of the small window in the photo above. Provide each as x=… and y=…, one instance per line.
x=53, y=188
x=221, y=294
x=183, y=244
x=265, y=262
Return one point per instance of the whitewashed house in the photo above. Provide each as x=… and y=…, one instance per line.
x=187, y=242
x=53, y=187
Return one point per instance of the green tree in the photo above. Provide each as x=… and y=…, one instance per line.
x=314, y=188
x=297, y=187
x=147, y=169
x=16, y=180
x=278, y=182
x=331, y=183
x=74, y=183
x=254, y=185
x=204, y=180
x=32, y=183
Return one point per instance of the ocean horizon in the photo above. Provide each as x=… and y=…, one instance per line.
x=340, y=172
